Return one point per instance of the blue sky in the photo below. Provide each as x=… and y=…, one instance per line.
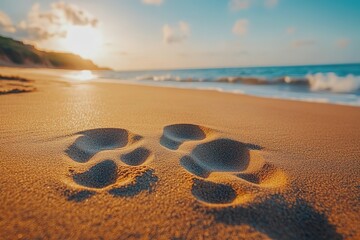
x=155, y=34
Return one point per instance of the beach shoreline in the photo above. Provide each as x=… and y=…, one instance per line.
x=90, y=159
x=78, y=76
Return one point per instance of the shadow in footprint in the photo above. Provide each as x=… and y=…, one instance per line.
x=259, y=176
x=190, y=165
x=220, y=155
x=211, y=192
x=279, y=219
x=175, y=135
x=78, y=196
x=144, y=182
x=136, y=157
x=99, y=176
x=95, y=140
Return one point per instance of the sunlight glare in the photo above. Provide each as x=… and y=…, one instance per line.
x=85, y=41
x=83, y=75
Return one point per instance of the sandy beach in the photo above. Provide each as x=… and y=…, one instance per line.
x=91, y=160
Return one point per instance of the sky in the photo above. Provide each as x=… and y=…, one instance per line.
x=170, y=34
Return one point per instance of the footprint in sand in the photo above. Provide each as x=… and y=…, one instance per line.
x=90, y=142
x=175, y=135
x=125, y=178
x=225, y=171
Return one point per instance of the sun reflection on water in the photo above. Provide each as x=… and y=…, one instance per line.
x=83, y=75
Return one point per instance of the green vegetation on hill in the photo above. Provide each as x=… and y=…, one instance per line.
x=16, y=53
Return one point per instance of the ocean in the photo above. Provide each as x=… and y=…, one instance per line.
x=337, y=84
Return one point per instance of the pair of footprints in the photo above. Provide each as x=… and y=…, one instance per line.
x=210, y=156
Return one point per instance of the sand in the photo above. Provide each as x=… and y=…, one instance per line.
x=12, y=84
x=87, y=160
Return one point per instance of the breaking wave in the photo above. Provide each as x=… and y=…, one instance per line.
x=335, y=84
x=332, y=82
x=315, y=82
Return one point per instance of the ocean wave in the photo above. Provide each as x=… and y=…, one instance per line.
x=332, y=82
x=232, y=79
x=265, y=81
x=244, y=80
x=168, y=77
x=315, y=82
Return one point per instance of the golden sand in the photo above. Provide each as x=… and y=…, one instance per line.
x=87, y=160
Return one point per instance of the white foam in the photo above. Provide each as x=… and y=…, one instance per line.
x=332, y=82
x=159, y=78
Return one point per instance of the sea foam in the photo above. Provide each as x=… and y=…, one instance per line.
x=332, y=82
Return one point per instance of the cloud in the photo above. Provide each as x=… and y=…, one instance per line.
x=42, y=25
x=342, y=43
x=240, y=27
x=290, y=30
x=303, y=43
x=6, y=24
x=39, y=33
x=153, y=2
x=237, y=5
x=73, y=14
x=271, y=3
x=177, y=33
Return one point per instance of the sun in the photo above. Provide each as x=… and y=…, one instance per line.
x=85, y=41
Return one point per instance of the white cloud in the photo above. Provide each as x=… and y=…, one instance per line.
x=6, y=24
x=153, y=2
x=343, y=43
x=42, y=25
x=73, y=14
x=240, y=27
x=303, y=43
x=271, y=3
x=237, y=5
x=177, y=33
x=290, y=30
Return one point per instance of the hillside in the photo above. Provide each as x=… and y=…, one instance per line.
x=16, y=53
